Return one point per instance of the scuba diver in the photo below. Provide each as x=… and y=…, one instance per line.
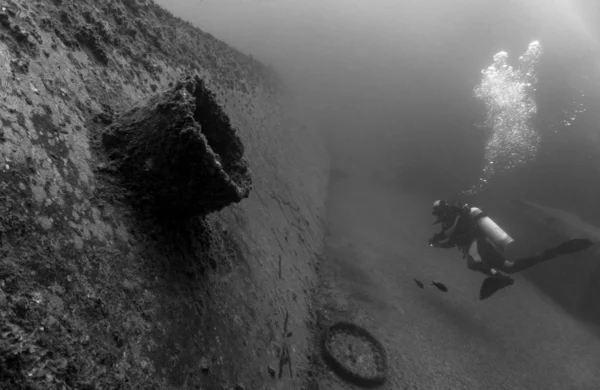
x=483, y=242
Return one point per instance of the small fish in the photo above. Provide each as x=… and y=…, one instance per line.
x=440, y=286
x=419, y=283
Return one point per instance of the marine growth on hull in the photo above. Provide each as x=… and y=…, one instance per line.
x=179, y=152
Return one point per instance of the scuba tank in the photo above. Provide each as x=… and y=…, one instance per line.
x=494, y=232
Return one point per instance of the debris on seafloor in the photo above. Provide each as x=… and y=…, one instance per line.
x=354, y=355
x=204, y=365
x=285, y=358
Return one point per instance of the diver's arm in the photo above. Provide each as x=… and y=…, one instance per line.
x=436, y=241
x=450, y=231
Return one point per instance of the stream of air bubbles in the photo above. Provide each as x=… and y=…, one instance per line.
x=508, y=95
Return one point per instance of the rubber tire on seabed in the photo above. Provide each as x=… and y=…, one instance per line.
x=344, y=372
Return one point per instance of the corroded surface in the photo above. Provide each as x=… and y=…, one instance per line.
x=179, y=151
x=95, y=294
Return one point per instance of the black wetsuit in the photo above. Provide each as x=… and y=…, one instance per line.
x=469, y=239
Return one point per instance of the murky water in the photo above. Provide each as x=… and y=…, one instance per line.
x=425, y=100
x=394, y=81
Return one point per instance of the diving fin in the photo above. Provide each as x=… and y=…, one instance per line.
x=492, y=284
x=570, y=246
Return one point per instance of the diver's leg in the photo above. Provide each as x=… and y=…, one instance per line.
x=475, y=262
x=519, y=265
x=507, y=264
x=473, y=257
x=568, y=247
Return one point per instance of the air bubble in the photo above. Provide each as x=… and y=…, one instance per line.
x=507, y=93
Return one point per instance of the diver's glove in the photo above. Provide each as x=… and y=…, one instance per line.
x=435, y=241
